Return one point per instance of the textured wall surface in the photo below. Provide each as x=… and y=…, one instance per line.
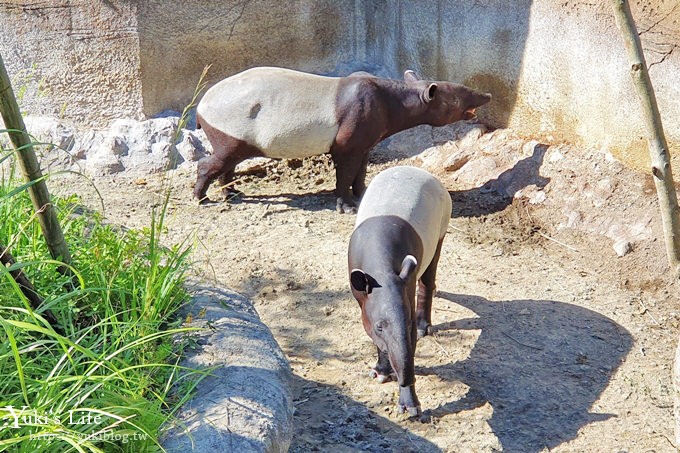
x=177, y=39
x=575, y=84
x=79, y=58
x=557, y=69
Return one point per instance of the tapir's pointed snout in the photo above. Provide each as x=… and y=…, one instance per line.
x=477, y=100
x=483, y=98
x=401, y=354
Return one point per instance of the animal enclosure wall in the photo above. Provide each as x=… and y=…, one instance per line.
x=557, y=69
x=78, y=59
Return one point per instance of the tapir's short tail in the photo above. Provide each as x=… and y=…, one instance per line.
x=198, y=121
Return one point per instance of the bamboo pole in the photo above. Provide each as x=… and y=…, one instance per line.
x=656, y=140
x=30, y=167
x=661, y=167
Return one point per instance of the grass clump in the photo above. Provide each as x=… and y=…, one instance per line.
x=103, y=383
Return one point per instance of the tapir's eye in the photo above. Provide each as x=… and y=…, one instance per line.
x=380, y=326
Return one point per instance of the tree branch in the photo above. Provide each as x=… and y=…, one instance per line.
x=656, y=140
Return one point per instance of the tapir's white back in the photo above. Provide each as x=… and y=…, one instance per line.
x=284, y=113
x=415, y=196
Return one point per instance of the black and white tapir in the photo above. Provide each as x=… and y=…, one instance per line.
x=393, y=255
x=281, y=113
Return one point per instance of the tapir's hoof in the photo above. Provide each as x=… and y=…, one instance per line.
x=205, y=201
x=381, y=378
x=345, y=208
x=231, y=194
x=412, y=411
x=424, y=332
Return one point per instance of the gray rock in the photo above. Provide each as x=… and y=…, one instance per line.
x=477, y=172
x=87, y=142
x=136, y=147
x=128, y=145
x=200, y=135
x=53, y=141
x=449, y=157
x=103, y=163
x=104, y=154
x=191, y=147
x=51, y=130
x=155, y=158
x=408, y=143
x=533, y=194
x=246, y=402
x=454, y=146
x=117, y=145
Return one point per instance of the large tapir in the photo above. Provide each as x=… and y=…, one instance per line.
x=393, y=255
x=281, y=113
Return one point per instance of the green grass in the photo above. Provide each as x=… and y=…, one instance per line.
x=111, y=380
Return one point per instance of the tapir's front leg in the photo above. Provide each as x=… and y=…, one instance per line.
x=356, y=136
x=359, y=183
x=347, y=167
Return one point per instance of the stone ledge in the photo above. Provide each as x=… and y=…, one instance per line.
x=246, y=403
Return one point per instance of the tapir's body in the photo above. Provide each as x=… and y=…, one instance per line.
x=281, y=113
x=393, y=255
x=266, y=111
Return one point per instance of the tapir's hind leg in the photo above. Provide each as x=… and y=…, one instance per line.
x=426, y=290
x=227, y=153
x=382, y=371
x=226, y=181
x=209, y=168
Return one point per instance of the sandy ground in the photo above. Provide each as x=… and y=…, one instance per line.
x=545, y=339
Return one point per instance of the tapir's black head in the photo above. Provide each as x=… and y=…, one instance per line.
x=387, y=312
x=446, y=102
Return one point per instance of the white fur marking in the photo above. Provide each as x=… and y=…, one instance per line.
x=285, y=113
x=415, y=196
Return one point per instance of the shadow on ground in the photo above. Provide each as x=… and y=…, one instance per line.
x=310, y=201
x=345, y=425
x=493, y=196
x=540, y=364
x=497, y=194
x=326, y=418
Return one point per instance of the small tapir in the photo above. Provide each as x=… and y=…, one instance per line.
x=281, y=113
x=395, y=248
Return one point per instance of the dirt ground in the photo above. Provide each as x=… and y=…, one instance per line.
x=544, y=339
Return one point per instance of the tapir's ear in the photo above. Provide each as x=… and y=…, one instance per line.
x=429, y=92
x=359, y=281
x=410, y=76
x=408, y=267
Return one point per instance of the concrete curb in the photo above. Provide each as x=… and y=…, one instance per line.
x=246, y=404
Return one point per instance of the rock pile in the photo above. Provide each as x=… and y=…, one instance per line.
x=134, y=147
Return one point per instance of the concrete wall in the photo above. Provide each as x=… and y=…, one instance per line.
x=177, y=39
x=557, y=69
x=76, y=58
x=575, y=84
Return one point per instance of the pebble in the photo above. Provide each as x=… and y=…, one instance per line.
x=623, y=247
